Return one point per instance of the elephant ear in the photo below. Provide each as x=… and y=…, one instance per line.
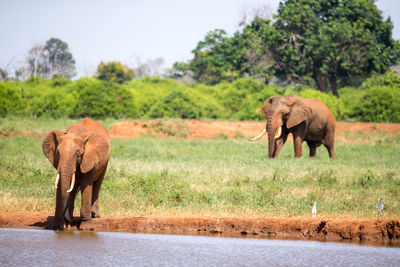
x=50, y=144
x=96, y=150
x=298, y=113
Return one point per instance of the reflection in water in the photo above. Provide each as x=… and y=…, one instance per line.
x=24, y=247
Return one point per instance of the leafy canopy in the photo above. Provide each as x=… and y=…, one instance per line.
x=114, y=71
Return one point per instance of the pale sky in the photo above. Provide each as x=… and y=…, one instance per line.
x=122, y=30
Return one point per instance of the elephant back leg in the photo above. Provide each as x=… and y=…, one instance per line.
x=86, y=190
x=329, y=142
x=95, y=195
x=313, y=148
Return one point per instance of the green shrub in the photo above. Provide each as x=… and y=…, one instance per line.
x=334, y=104
x=350, y=97
x=379, y=104
x=10, y=99
x=391, y=79
x=185, y=104
x=100, y=99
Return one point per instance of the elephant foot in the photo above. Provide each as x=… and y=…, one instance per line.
x=58, y=225
x=86, y=226
x=95, y=215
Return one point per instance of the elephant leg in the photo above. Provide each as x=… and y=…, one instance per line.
x=86, y=218
x=329, y=141
x=331, y=151
x=313, y=149
x=69, y=212
x=279, y=143
x=95, y=195
x=297, y=141
x=299, y=135
x=59, y=214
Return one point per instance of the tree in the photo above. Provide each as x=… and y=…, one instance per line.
x=214, y=59
x=332, y=41
x=58, y=59
x=150, y=68
x=222, y=58
x=48, y=60
x=114, y=71
x=3, y=75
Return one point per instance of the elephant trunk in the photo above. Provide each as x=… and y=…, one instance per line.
x=274, y=130
x=64, y=187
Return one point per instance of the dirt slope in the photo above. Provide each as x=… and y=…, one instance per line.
x=377, y=232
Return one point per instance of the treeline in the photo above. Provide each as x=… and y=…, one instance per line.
x=376, y=100
x=322, y=44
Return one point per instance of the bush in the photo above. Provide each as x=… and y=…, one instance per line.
x=187, y=104
x=350, y=97
x=379, y=104
x=376, y=100
x=390, y=79
x=334, y=104
x=100, y=99
x=114, y=71
x=10, y=99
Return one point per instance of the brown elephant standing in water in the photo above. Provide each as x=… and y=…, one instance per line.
x=307, y=119
x=80, y=156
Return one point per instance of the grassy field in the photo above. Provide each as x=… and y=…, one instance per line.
x=229, y=178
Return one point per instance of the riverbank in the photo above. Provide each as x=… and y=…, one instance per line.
x=374, y=231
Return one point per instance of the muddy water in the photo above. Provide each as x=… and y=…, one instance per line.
x=27, y=247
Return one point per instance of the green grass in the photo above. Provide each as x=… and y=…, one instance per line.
x=175, y=176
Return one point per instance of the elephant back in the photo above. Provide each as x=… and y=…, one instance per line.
x=93, y=126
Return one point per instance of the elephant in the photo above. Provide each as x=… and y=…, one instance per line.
x=80, y=155
x=307, y=120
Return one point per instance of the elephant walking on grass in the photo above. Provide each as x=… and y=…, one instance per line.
x=307, y=119
x=80, y=156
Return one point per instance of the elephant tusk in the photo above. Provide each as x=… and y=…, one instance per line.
x=258, y=136
x=278, y=133
x=57, y=179
x=72, y=183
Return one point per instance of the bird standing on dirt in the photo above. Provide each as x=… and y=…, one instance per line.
x=380, y=205
x=314, y=209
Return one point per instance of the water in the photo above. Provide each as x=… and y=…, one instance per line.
x=27, y=247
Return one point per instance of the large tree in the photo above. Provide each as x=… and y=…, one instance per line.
x=332, y=41
x=58, y=58
x=45, y=61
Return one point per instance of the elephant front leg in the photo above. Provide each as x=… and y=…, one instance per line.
x=86, y=218
x=280, y=142
x=69, y=213
x=297, y=141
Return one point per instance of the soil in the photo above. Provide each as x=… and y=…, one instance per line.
x=378, y=231
x=230, y=130
x=375, y=232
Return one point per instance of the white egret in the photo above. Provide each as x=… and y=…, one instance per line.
x=314, y=209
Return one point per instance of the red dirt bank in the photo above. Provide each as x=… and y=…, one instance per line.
x=203, y=129
x=379, y=232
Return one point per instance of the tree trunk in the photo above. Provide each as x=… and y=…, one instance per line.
x=321, y=82
x=332, y=81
